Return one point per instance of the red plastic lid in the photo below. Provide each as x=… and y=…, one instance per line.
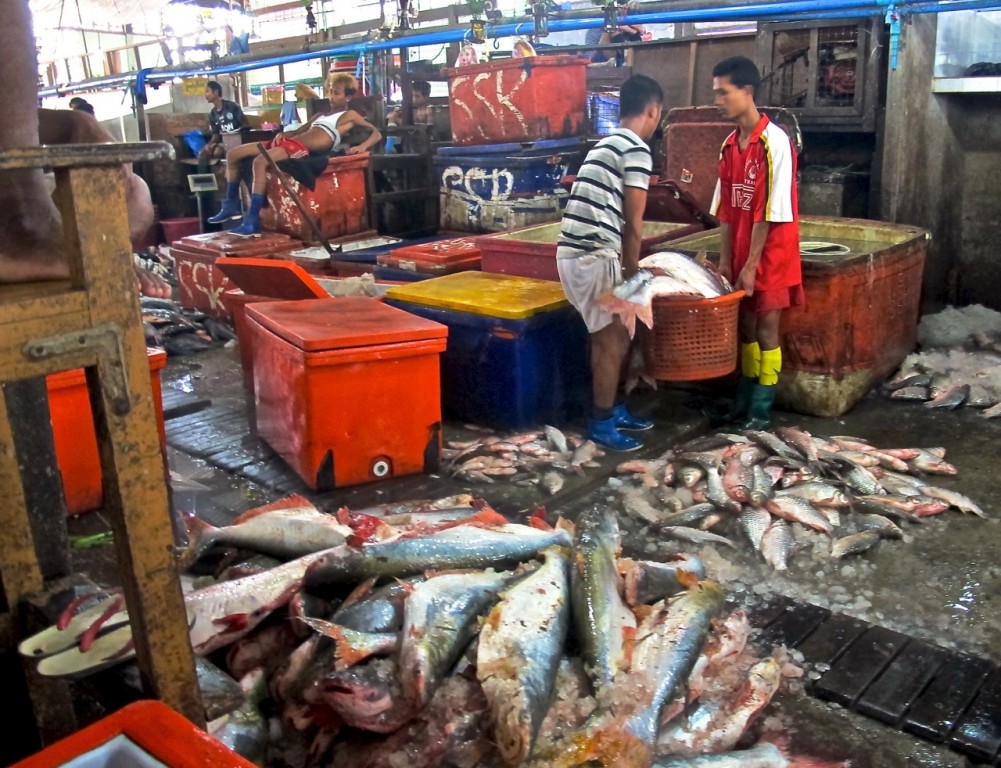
x=272, y=278
x=440, y=252
x=228, y=244
x=317, y=325
x=429, y=266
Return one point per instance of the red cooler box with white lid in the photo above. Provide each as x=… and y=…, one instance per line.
x=347, y=390
x=200, y=282
x=517, y=100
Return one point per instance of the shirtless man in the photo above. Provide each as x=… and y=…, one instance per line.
x=320, y=134
x=31, y=232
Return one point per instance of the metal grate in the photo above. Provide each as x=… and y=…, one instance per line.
x=821, y=76
x=837, y=58
x=943, y=696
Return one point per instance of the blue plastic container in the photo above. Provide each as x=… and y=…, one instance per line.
x=510, y=374
x=506, y=171
x=392, y=274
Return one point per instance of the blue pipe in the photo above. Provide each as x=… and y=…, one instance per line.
x=787, y=9
x=753, y=11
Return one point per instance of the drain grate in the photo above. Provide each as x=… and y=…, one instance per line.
x=939, y=695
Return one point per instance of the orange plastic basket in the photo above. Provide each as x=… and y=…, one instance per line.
x=693, y=339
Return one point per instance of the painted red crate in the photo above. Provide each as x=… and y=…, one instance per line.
x=515, y=100
x=200, y=284
x=338, y=202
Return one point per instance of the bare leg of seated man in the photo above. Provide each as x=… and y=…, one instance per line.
x=30, y=229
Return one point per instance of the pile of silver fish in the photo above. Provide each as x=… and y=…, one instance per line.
x=665, y=273
x=764, y=487
x=437, y=633
x=541, y=459
x=952, y=378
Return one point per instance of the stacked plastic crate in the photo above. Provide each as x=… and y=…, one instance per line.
x=517, y=127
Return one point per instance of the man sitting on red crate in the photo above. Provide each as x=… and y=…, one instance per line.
x=319, y=135
x=599, y=245
x=758, y=210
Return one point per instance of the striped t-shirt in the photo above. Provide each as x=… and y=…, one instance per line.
x=593, y=217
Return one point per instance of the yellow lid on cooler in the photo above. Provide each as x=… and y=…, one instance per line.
x=484, y=293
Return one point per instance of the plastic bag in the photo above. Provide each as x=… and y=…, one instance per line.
x=195, y=140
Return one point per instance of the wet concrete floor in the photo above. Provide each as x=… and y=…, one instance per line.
x=941, y=584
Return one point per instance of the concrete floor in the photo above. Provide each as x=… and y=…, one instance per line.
x=941, y=584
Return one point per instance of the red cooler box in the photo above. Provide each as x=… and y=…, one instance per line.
x=338, y=202
x=267, y=280
x=201, y=283
x=516, y=100
x=347, y=390
x=531, y=251
x=75, y=438
x=442, y=257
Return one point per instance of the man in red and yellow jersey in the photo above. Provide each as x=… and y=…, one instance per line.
x=758, y=210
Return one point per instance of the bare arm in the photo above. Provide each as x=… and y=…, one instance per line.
x=352, y=119
x=759, y=233
x=725, y=251
x=632, y=233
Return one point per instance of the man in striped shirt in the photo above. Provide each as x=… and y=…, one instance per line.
x=599, y=246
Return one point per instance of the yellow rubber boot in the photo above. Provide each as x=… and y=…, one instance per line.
x=771, y=366
x=750, y=360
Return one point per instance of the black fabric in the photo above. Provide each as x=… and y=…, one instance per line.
x=229, y=119
x=305, y=170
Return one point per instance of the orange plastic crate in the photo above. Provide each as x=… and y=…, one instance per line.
x=347, y=390
x=693, y=339
x=75, y=438
x=122, y=738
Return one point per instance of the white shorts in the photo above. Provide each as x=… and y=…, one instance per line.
x=587, y=277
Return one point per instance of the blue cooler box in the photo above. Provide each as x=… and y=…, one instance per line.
x=495, y=187
x=505, y=372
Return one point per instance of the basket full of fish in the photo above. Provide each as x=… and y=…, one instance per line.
x=691, y=311
x=439, y=633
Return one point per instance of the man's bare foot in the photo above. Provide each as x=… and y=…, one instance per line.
x=31, y=232
x=151, y=284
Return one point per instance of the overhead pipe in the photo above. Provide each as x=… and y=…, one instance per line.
x=702, y=11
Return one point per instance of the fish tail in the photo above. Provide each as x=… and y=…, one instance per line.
x=201, y=536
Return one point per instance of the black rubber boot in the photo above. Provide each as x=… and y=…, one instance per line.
x=738, y=408
x=760, y=409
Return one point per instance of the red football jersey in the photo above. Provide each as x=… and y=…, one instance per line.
x=759, y=184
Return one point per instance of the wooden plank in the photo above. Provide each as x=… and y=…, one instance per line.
x=937, y=710
x=859, y=666
x=92, y=204
x=793, y=626
x=978, y=733
x=894, y=691
x=831, y=639
x=762, y=617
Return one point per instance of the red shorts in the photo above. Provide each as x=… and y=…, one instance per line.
x=776, y=298
x=294, y=149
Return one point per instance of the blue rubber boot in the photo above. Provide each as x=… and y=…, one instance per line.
x=230, y=211
x=607, y=435
x=625, y=420
x=251, y=224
